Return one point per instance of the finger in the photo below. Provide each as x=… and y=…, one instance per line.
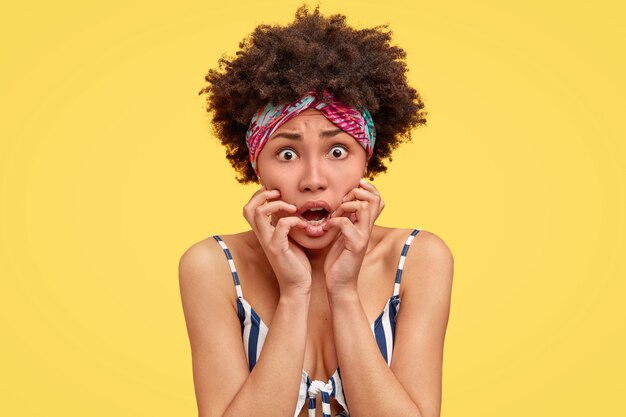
x=368, y=186
x=359, y=209
x=261, y=214
x=349, y=207
x=283, y=227
x=262, y=189
x=258, y=198
x=363, y=216
x=273, y=207
x=354, y=240
x=376, y=203
x=361, y=194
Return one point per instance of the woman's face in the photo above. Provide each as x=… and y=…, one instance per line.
x=313, y=163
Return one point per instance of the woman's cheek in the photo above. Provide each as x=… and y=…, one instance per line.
x=285, y=195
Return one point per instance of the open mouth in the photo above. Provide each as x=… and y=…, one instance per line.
x=315, y=216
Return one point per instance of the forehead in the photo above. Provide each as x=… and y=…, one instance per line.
x=311, y=112
x=308, y=118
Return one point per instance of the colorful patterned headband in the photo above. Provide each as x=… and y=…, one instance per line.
x=268, y=119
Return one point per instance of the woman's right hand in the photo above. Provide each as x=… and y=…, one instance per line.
x=288, y=260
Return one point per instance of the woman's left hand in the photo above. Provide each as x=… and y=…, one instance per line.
x=355, y=219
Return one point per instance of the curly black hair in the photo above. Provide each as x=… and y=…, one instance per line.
x=279, y=64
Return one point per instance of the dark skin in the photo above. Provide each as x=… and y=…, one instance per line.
x=318, y=297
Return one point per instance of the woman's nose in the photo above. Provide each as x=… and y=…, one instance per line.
x=313, y=178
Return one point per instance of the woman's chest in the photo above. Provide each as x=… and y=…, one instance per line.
x=335, y=408
x=320, y=358
x=375, y=285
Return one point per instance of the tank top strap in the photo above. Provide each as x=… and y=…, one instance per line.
x=405, y=249
x=233, y=271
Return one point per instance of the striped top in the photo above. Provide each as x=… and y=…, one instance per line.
x=254, y=332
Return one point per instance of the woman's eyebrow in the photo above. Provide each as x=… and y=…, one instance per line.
x=330, y=133
x=297, y=136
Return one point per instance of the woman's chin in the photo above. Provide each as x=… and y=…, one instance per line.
x=313, y=237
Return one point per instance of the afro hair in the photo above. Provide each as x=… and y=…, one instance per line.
x=279, y=64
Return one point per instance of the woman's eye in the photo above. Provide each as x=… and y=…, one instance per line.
x=286, y=154
x=338, y=152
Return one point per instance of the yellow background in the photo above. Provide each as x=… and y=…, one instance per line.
x=108, y=173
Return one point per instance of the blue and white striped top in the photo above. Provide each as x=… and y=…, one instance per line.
x=254, y=331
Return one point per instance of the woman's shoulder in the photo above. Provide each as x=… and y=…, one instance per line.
x=211, y=247
x=395, y=233
x=206, y=260
x=391, y=236
x=429, y=257
x=425, y=242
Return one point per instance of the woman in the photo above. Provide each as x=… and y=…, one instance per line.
x=287, y=316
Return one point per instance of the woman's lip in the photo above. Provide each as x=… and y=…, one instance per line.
x=314, y=204
x=315, y=230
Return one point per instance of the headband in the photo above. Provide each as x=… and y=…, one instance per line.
x=357, y=123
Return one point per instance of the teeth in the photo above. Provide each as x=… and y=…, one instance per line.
x=316, y=222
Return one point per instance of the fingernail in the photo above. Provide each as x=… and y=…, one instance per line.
x=362, y=181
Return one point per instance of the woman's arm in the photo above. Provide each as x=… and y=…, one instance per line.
x=223, y=384
x=412, y=385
